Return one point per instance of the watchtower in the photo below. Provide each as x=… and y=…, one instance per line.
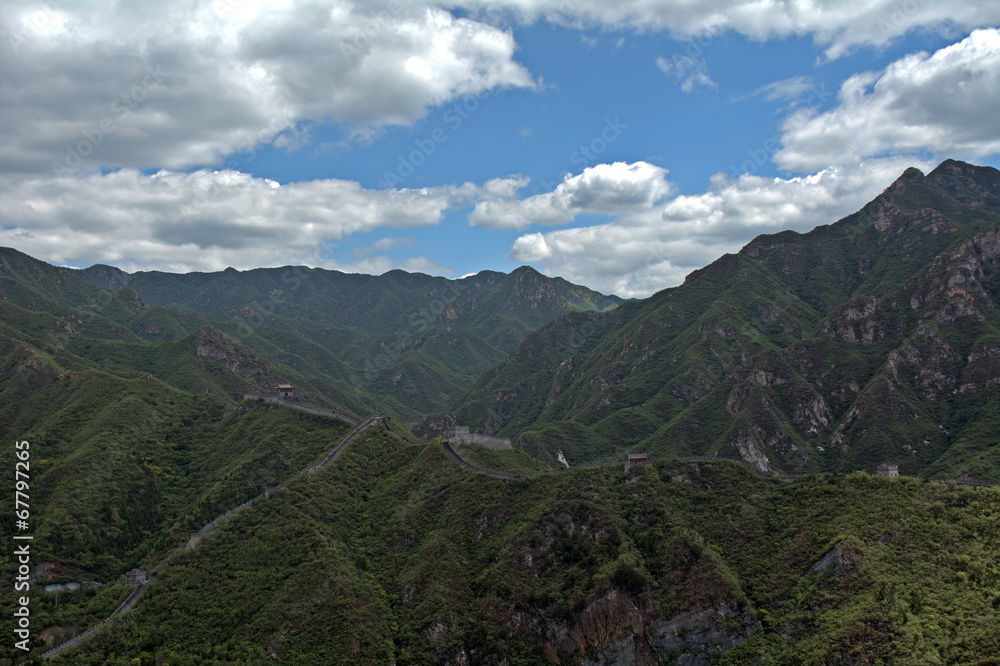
x=135, y=577
x=635, y=459
x=891, y=471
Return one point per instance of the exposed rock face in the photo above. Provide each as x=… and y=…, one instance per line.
x=215, y=347
x=748, y=443
x=698, y=637
x=839, y=559
x=857, y=322
x=621, y=653
x=818, y=351
x=602, y=621
x=626, y=632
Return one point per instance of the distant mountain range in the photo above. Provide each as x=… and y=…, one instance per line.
x=409, y=344
x=874, y=339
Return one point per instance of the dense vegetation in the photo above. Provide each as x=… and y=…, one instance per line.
x=513, y=460
x=394, y=553
x=874, y=339
x=416, y=341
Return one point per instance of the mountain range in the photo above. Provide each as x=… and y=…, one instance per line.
x=417, y=342
x=873, y=339
x=815, y=356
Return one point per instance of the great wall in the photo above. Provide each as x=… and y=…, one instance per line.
x=491, y=442
x=192, y=542
x=196, y=537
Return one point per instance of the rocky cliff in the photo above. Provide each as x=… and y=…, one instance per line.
x=872, y=339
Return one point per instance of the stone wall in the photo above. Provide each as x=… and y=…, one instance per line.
x=497, y=443
x=312, y=409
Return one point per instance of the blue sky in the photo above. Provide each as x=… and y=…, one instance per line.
x=618, y=147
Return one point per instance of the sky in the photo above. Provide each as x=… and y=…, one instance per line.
x=617, y=145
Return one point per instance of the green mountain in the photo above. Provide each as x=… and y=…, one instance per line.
x=394, y=554
x=874, y=339
x=49, y=313
x=417, y=341
x=877, y=331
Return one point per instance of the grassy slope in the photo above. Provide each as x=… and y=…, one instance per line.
x=124, y=468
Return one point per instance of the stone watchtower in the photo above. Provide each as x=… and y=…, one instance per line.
x=135, y=577
x=891, y=471
x=635, y=459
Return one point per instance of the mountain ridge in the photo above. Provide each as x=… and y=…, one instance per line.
x=394, y=553
x=419, y=339
x=919, y=257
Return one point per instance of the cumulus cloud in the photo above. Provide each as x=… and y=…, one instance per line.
x=604, y=189
x=226, y=77
x=207, y=220
x=231, y=76
x=505, y=188
x=637, y=254
x=688, y=72
x=946, y=102
x=838, y=27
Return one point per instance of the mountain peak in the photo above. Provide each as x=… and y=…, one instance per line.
x=835, y=349
x=524, y=271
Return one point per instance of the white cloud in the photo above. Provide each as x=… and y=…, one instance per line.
x=383, y=245
x=786, y=89
x=838, y=27
x=235, y=75
x=637, y=254
x=505, y=188
x=425, y=265
x=604, y=189
x=687, y=71
x=227, y=77
x=946, y=102
x=207, y=220
x=376, y=264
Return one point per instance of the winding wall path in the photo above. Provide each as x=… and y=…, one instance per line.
x=336, y=451
x=197, y=536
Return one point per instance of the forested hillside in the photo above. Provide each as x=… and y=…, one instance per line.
x=415, y=340
x=393, y=554
x=874, y=339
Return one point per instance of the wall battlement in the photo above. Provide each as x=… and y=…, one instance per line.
x=498, y=443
